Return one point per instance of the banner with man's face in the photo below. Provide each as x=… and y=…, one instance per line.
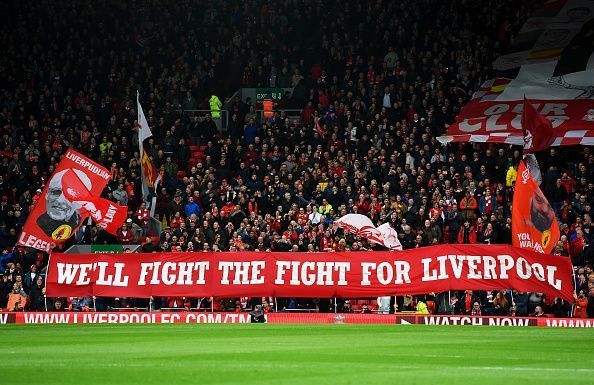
x=56, y=217
x=534, y=225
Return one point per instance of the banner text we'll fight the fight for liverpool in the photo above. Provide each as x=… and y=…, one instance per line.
x=349, y=274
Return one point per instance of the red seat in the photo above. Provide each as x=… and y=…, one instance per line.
x=194, y=148
x=202, y=148
x=181, y=174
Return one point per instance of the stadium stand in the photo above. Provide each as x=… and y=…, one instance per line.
x=382, y=96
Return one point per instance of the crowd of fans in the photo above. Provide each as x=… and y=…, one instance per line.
x=383, y=79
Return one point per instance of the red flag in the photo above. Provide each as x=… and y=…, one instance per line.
x=534, y=225
x=106, y=214
x=538, y=130
x=319, y=128
x=54, y=218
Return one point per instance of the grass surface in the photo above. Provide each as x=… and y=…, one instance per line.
x=294, y=354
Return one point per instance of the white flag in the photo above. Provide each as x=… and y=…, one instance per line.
x=532, y=165
x=363, y=226
x=390, y=237
x=148, y=173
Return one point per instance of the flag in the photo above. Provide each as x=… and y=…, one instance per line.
x=534, y=225
x=532, y=165
x=108, y=215
x=491, y=88
x=148, y=171
x=363, y=226
x=319, y=129
x=550, y=62
x=538, y=130
x=389, y=237
x=55, y=218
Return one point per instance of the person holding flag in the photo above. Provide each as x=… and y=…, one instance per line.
x=149, y=175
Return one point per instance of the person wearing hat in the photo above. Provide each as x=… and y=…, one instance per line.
x=136, y=230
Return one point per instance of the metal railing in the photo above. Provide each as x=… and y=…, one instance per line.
x=294, y=115
x=222, y=121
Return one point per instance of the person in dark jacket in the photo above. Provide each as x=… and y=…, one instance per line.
x=5, y=289
x=37, y=295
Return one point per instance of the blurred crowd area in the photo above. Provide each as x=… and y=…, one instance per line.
x=383, y=79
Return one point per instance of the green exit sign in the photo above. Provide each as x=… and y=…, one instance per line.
x=269, y=93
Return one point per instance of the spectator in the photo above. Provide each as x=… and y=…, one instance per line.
x=468, y=206
x=6, y=286
x=125, y=236
x=191, y=208
x=581, y=304
x=467, y=234
x=37, y=295
x=500, y=304
x=30, y=278
x=17, y=299
x=538, y=312
x=120, y=195
x=142, y=217
x=476, y=309
x=379, y=123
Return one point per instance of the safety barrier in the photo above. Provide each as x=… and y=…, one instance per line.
x=125, y=317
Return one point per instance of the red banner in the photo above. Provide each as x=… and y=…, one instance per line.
x=55, y=218
x=108, y=215
x=534, y=224
x=501, y=122
x=349, y=274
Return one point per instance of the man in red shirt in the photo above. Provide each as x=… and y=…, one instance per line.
x=227, y=209
x=577, y=243
x=142, y=217
x=125, y=235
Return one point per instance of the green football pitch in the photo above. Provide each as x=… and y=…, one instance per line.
x=294, y=354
